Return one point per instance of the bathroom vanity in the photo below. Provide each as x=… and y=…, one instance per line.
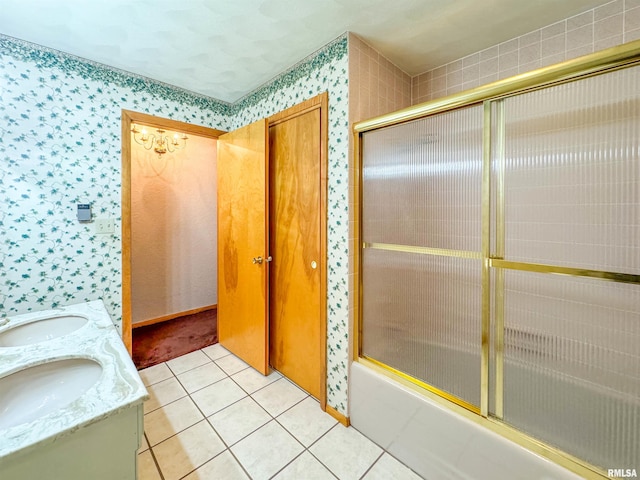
x=71, y=400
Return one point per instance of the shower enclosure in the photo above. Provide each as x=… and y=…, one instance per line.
x=500, y=255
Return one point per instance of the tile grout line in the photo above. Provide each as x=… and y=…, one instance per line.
x=304, y=447
x=205, y=419
x=275, y=419
x=228, y=447
x=153, y=457
x=209, y=360
x=384, y=450
x=371, y=466
x=187, y=393
x=314, y=456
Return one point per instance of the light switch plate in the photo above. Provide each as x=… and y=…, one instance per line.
x=104, y=226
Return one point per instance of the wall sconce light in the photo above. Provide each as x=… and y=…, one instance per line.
x=160, y=142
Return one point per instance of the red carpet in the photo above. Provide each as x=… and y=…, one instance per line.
x=163, y=341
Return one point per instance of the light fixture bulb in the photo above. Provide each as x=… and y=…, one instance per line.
x=159, y=142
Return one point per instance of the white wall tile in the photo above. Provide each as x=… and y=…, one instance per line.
x=609, y=27
x=553, y=46
x=580, y=37
x=608, y=10
x=579, y=21
x=558, y=28
x=602, y=27
x=632, y=19
x=488, y=53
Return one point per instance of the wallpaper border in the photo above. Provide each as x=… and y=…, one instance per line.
x=333, y=50
x=89, y=70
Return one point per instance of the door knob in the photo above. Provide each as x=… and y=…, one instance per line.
x=259, y=260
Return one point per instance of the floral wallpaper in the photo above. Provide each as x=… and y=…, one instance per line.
x=327, y=70
x=60, y=146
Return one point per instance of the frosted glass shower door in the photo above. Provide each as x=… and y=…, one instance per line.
x=421, y=263
x=499, y=264
x=572, y=206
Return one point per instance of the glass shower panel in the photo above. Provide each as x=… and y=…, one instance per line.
x=422, y=182
x=572, y=174
x=572, y=365
x=422, y=316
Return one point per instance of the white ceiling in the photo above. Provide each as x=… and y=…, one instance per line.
x=227, y=48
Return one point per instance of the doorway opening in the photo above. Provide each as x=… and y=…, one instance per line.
x=158, y=284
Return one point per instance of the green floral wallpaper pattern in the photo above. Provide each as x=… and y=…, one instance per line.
x=60, y=145
x=325, y=71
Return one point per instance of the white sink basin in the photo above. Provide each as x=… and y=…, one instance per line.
x=41, y=330
x=37, y=391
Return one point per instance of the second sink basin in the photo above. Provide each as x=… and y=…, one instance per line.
x=40, y=330
x=36, y=391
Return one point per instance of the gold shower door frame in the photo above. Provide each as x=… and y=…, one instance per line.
x=493, y=262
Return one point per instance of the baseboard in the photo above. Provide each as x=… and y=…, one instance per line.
x=338, y=416
x=165, y=318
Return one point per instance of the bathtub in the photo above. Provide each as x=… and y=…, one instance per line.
x=435, y=441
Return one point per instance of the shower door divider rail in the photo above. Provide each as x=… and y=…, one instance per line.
x=441, y=252
x=492, y=226
x=570, y=271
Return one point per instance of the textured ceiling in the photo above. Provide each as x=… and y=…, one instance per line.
x=227, y=48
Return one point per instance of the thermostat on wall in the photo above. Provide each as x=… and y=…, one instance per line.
x=84, y=212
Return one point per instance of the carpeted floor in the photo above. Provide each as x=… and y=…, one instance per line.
x=163, y=341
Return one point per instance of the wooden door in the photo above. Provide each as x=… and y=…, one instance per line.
x=295, y=244
x=243, y=217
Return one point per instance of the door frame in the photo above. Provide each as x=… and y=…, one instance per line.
x=320, y=102
x=129, y=117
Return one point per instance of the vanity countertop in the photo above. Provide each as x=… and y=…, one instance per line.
x=118, y=388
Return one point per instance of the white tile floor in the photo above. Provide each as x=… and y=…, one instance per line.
x=212, y=417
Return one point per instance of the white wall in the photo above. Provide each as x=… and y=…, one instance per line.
x=173, y=229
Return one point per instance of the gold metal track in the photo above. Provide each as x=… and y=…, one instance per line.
x=556, y=455
x=430, y=388
x=499, y=168
x=486, y=252
x=595, y=63
x=441, y=252
x=573, y=272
